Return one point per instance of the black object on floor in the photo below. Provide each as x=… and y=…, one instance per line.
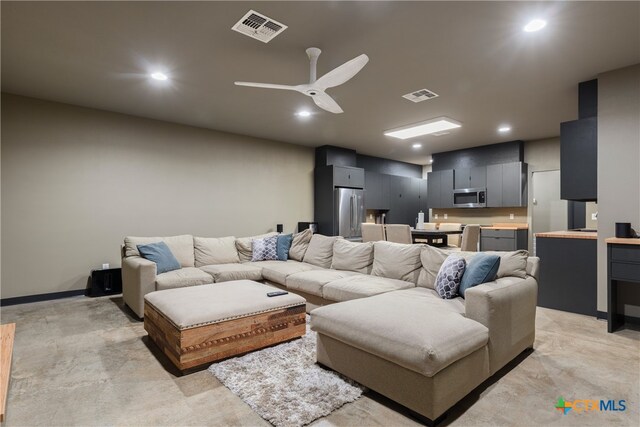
x=105, y=282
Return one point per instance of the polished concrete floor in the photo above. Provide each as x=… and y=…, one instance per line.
x=83, y=361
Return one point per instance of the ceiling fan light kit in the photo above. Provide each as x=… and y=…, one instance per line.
x=316, y=87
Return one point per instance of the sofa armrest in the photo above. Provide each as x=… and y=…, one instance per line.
x=507, y=307
x=138, y=279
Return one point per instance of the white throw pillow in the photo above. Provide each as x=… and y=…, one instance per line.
x=243, y=245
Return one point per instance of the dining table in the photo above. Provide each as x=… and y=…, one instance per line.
x=438, y=238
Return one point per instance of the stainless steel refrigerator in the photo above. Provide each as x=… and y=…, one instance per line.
x=349, y=213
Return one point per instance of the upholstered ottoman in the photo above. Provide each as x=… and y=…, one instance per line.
x=202, y=324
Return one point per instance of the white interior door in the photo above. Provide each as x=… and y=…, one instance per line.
x=549, y=213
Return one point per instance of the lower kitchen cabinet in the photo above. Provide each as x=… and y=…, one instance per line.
x=568, y=274
x=503, y=240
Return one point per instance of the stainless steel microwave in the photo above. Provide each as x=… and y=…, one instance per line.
x=470, y=198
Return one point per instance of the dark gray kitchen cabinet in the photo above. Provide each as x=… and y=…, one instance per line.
x=423, y=188
x=579, y=160
x=494, y=186
x=503, y=240
x=507, y=185
x=376, y=191
x=344, y=176
x=475, y=177
x=440, y=189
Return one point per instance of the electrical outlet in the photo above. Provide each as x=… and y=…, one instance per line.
x=511, y=216
x=594, y=216
x=105, y=266
x=446, y=216
x=435, y=216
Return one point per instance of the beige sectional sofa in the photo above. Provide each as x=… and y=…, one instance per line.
x=391, y=331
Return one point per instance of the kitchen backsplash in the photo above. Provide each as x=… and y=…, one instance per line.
x=482, y=216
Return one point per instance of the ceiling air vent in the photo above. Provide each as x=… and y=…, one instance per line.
x=258, y=26
x=420, y=95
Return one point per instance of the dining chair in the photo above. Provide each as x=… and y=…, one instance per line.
x=372, y=232
x=452, y=239
x=470, y=237
x=430, y=226
x=398, y=233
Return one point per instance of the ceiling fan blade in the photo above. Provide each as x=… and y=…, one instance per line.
x=267, y=85
x=326, y=102
x=343, y=73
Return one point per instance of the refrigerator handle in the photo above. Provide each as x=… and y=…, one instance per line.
x=354, y=220
x=351, y=215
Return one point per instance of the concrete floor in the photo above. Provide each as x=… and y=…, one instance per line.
x=83, y=361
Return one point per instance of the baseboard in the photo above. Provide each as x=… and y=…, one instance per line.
x=40, y=297
x=628, y=319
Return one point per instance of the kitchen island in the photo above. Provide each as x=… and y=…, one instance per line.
x=568, y=271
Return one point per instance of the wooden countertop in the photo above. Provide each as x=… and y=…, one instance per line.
x=507, y=226
x=588, y=235
x=620, y=241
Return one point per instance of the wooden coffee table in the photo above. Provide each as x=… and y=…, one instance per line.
x=203, y=324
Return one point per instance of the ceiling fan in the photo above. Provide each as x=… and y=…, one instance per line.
x=316, y=87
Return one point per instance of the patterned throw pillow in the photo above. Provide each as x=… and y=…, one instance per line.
x=265, y=249
x=449, y=276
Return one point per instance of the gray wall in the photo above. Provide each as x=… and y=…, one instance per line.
x=75, y=181
x=618, y=169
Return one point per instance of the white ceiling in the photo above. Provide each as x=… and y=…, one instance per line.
x=475, y=55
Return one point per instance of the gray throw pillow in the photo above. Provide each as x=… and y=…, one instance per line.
x=265, y=249
x=449, y=276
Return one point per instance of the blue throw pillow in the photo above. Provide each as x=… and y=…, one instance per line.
x=481, y=269
x=161, y=255
x=283, y=245
x=449, y=276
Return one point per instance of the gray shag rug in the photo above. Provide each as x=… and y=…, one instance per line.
x=284, y=385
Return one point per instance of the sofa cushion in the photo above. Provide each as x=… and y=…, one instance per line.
x=220, y=250
x=396, y=261
x=278, y=271
x=160, y=254
x=188, y=276
x=361, y=286
x=512, y=263
x=320, y=250
x=283, y=245
x=480, y=269
x=234, y=271
x=264, y=249
x=449, y=276
x=181, y=247
x=243, y=245
x=406, y=330
x=431, y=298
x=352, y=256
x=312, y=281
x=299, y=245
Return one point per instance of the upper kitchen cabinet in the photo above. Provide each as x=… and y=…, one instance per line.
x=475, y=177
x=579, y=148
x=344, y=176
x=440, y=189
x=376, y=187
x=507, y=185
x=579, y=160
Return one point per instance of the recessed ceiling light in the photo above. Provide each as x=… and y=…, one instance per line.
x=430, y=160
x=534, y=25
x=503, y=129
x=417, y=145
x=303, y=113
x=159, y=76
x=423, y=128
